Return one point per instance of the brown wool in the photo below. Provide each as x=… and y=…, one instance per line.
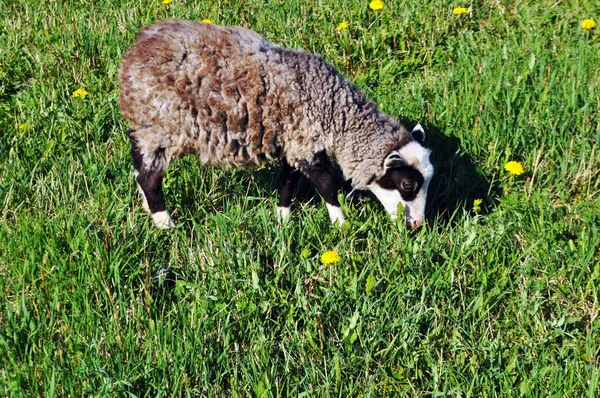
x=236, y=100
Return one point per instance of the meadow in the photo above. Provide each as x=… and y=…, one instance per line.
x=498, y=297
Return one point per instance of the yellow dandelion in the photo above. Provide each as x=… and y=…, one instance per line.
x=514, y=168
x=477, y=205
x=376, y=5
x=80, y=93
x=342, y=25
x=588, y=24
x=330, y=257
x=207, y=21
x=23, y=127
x=460, y=10
x=167, y=1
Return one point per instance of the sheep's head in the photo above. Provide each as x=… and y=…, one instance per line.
x=407, y=173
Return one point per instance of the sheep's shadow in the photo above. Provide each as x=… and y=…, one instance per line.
x=457, y=180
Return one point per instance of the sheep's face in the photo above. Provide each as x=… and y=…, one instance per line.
x=407, y=173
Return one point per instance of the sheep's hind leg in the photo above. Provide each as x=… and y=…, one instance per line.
x=149, y=172
x=289, y=181
x=320, y=172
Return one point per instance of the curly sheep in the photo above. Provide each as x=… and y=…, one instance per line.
x=234, y=99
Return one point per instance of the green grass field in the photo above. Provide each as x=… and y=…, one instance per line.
x=497, y=301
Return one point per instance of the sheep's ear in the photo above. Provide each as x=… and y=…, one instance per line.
x=418, y=134
x=393, y=160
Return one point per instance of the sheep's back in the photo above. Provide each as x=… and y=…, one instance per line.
x=200, y=88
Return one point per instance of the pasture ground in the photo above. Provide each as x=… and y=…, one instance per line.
x=502, y=301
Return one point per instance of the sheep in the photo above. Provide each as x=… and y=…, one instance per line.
x=236, y=100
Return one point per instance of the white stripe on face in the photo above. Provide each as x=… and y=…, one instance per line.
x=389, y=198
x=414, y=211
x=417, y=157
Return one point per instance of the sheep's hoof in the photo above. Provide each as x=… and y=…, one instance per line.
x=162, y=220
x=283, y=214
x=336, y=215
x=340, y=223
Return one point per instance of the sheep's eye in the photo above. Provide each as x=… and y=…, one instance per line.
x=408, y=185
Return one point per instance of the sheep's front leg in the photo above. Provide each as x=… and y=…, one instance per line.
x=149, y=180
x=320, y=172
x=289, y=181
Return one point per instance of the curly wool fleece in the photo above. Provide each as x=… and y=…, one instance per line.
x=235, y=100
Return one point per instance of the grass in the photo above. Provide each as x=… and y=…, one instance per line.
x=499, y=302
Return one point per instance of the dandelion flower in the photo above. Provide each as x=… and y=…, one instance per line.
x=208, y=21
x=167, y=1
x=80, y=93
x=330, y=257
x=460, y=10
x=477, y=205
x=23, y=127
x=588, y=24
x=514, y=168
x=376, y=5
x=342, y=25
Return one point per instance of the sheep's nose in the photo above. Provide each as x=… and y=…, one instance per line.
x=416, y=223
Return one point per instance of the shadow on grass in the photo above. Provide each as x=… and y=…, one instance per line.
x=457, y=181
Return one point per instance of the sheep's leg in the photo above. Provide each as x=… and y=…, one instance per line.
x=320, y=172
x=149, y=172
x=289, y=181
